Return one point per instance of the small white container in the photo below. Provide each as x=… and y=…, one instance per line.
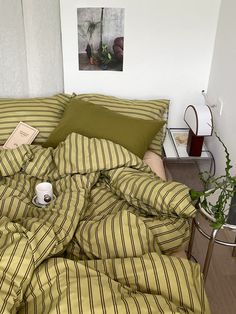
x=44, y=193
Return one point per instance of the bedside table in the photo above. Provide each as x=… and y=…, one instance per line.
x=179, y=164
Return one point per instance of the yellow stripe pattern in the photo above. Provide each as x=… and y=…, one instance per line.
x=42, y=113
x=98, y=248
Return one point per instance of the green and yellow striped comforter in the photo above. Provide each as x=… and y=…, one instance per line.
x=102, y=246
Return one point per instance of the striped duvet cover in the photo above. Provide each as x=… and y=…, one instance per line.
x=102, y=246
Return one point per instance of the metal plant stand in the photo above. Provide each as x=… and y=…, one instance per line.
x=212, y=240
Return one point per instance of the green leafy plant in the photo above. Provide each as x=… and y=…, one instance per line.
x=105, y=55
x=223, y=186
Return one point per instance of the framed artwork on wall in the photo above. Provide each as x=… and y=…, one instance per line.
x=100, y=38
x=152, y=58
x=95, y=46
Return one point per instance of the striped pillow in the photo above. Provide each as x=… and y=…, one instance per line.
x=41, y=113
x=143, y=109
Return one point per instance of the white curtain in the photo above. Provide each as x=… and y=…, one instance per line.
x=30, y=48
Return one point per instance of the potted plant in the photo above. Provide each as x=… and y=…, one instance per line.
x=219, y=188
x=105, y=57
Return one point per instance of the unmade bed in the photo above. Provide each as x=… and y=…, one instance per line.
x=104, y=244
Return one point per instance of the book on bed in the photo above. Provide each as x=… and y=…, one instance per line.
x=22, y=134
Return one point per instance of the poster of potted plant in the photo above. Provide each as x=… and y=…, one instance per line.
x=100, y=39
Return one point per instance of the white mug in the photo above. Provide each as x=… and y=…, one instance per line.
x=44, y=193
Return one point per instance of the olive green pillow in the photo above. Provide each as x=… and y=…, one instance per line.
x=154, y=109
x=42, y=113
x=93, y=120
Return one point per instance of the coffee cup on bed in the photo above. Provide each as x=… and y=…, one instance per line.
x=44, y=193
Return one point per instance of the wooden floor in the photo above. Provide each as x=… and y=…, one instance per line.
x=221, y=280
x=220, y=283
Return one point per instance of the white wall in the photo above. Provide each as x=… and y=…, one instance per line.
x=168, y=51
x=222, y=85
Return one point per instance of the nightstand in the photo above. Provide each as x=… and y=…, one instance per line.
x=179, y=165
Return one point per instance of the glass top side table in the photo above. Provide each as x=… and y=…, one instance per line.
x=175, y=148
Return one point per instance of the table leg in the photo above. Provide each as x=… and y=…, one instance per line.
x=190, y=245
x=209, y=253
x=234, y=249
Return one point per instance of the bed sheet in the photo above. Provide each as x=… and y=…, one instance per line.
x=155, y=162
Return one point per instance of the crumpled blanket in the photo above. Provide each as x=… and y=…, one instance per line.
x=98, y=247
